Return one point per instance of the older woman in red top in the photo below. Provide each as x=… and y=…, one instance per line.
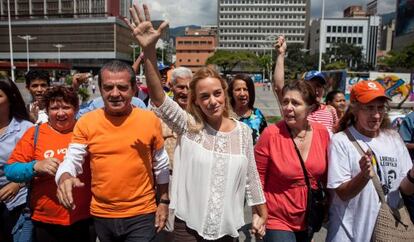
x=280, y=167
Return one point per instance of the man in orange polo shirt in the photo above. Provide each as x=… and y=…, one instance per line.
x=126, y=150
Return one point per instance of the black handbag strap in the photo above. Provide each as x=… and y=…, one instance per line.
x=29, y=184
x=302, y=163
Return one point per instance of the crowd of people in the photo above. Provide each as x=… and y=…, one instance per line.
x=118, y=169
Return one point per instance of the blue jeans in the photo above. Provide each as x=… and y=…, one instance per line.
x=140, y=228
x=273, y=235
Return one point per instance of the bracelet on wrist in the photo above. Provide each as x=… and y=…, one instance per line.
x=165, y=201
x=409, y=177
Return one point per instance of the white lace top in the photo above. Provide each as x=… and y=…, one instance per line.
x=213, y=173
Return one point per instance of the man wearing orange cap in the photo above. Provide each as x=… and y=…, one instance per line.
x=355, y=203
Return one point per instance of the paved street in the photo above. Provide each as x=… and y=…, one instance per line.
x=266, y=101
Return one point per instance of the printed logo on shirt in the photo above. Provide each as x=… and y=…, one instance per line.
x=391, y=177
x=388, y=165
x=388, y=161
x=51, y=153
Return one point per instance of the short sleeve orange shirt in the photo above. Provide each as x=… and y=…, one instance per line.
x=43, y=200
x=121, y=152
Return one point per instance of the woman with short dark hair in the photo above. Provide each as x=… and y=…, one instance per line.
x=279, y=152
x=337, y=100
x=36, y=162
x=242, y=96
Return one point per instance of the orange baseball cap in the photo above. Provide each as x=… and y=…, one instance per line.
x=366, y=91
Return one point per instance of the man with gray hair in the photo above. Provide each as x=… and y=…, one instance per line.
x=180, y=80
x=179, y=84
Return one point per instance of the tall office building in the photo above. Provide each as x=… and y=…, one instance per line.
x=255, y=24
x=36, y=9
x=81, y=33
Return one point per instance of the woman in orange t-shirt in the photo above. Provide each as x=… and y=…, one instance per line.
x=280, y=167
x=37, y=162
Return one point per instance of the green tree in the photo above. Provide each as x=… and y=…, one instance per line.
x=264, y=63
x=349, y=54
x=399, y=60
x=299, y=60
x=228, y=60
x=337, y=65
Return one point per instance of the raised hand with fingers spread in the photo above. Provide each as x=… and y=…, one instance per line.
x=142, y=27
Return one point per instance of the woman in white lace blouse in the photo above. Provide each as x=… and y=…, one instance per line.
x=214, y=168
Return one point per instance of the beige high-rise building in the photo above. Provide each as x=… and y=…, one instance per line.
x=254, y=24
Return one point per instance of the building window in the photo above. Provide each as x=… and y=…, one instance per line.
x=329, y=29
x=334, y=29
x=354, y=40
x=328, y=39
x=360, y=29
x=339, y=29
x=359, y=40
x=355, y=29
x=349, y=29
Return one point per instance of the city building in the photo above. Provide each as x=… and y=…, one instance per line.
x=404, y=26
x=387, y=33
x=193, y=49
x=354, y=11
x=254, y=25
x=372, y=8
x=82, y=33
x=359, y=31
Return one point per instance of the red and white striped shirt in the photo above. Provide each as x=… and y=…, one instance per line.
x=323, y=116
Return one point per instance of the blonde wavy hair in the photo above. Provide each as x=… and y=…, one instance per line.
x=197, y=124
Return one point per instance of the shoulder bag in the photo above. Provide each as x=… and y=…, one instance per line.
x=23, y=229
x=391, y=224
x=316, y=203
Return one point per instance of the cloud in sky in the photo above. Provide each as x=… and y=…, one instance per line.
x=204, y=12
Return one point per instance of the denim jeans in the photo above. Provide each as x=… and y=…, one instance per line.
x=7, y=221
x=273, y=235
x=140, y=228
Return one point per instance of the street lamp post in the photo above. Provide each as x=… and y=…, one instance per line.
x=59, y=46
x=161, y=44
x=27, y=38
x=133, y=46
x=10, y=41
x=321, y=30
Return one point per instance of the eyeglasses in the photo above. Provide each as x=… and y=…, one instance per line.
x=374, y=109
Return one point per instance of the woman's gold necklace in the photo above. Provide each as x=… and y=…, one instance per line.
x=302, y=138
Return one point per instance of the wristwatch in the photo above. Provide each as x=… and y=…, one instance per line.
x=165, y=201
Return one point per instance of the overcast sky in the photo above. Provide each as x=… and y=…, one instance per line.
x=203, y=12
